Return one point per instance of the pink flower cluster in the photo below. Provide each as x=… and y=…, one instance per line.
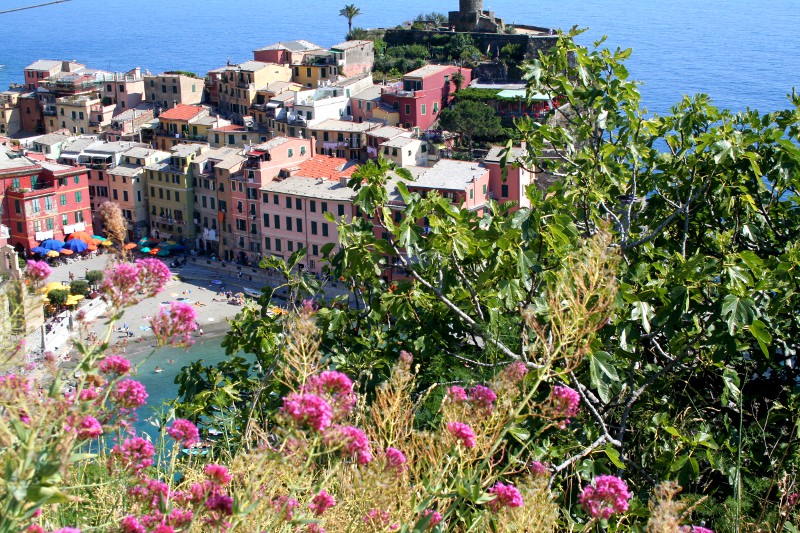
x=505, y=496
x=134, y=454
x=115, y=365
x=436, y=517
x=539, y=469
x=607, y=495
x=395, y=460
x=16, y=384
x=564, y=402
x=175, y=324
x=380, y=520
x=217, y=474
x=337, y=388
x=308, y=410
x=482, y=397
x=129, y=394
x=463, y=433
x=285, y=506
x=457, y=394
x=515, y=372
x=696, y=529
x=183, y=431
x=126, y=284
x=37, y=271
x=321, y=503
x=353, y=442
x=89, y=428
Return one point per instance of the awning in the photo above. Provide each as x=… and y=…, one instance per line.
x=273, y=105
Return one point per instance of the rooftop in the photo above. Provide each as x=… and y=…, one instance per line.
x=427, y=70
x=279, y=86
x=450, y=174
x=251, y=66
x=370, y=93
x=181, y=112
x=52, y=138
x=141, y=152
x=127, y=170
x=44, y=64
x=331, y=168
x=56, y=168
x=231, y=161
x=10, y=161
x=272, y=143
x=349, y=44
x=399, y=142
x=78, y=145
x=324, y=189
x=230, y=127
x=346, y=82
x=293, y=46
x=185, y=150
x=495, y=154
x=217, y=154
x=386, y=132
x=112, y=147
x=344, y=126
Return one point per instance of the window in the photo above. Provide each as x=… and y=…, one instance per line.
x=290, y=246
x=314, y=249
x=289, y=223
x=48, y=203
x=299, y=225
x=308, y=72
x=275, y=199
x=37, y=225
x=78, y=197
x=298, y=204
x=340, y=208
x=324, y=229
x=504, y=191
x=324, y=135
x=369, y=106
x=422, y=109
x=302, y=150
x=484, y=188
x=288, y=203
x=277, y=220
x=313, y=227
x=19, y=227
x=267, y=243
x=324, y=207
x=291, y=152
x=313, y=206
x=398, y=216
x=78, y=216
x=174, y=89
x=471, y=194
x=177, y=196
x=212, y=201
x=114, y=194
x=277, y=245
x=240, y=224
x=64, y=220
x=435, y=107
x=161, y=193
x=49, y=223
x=169, y=194
x=15, y=183
x=266, y=220
x=63, y=199
x=408, y=109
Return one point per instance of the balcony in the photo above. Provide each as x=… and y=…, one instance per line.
x=241, y=84
x=49, y=110
x=398, y=91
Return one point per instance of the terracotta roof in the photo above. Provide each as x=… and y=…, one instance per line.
x=230, y=127
x=326, y=167
x=181, y=112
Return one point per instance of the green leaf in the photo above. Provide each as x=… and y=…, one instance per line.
x=731, y=381
x=613, y=455
x=603, y=374
x=739, y=312
x=759, y=331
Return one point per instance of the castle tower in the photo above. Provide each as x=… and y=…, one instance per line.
x=472, y=17
x=470, y=6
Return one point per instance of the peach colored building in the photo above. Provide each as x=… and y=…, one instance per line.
x=294, y=207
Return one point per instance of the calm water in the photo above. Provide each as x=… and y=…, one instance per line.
x=743, y=53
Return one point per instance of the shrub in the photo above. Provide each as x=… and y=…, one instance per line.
x=80, y=287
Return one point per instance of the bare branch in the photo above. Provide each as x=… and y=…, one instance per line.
x=594, y=413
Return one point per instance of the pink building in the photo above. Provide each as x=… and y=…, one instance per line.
x=285, y=52
x=464, y=183
x=354, y=57
x=293, y=208
x=517, y=180
x=423, y=94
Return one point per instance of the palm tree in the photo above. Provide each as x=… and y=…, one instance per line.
x=349, y=12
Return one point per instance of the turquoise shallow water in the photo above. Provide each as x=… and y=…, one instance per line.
x=744, y=53
x=161, y=386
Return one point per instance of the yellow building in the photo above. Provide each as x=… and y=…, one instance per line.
x=170, y=190
x=314, y=70
x=240, y=83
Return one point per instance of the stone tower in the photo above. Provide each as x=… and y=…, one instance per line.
x=470, y=6
x=472, y=18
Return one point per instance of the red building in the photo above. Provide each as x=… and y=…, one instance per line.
x=42, y=200
x=423, y=93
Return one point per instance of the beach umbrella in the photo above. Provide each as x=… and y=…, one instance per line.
x=163, y=253
x=39, y=250
x=53, y=285
x=154, y=251
x=130, y=246
x=106, y=243
x=171, y=243
x=98, y=237
x=76, y=245
x=95, y=240
x=52, y=244
x=53, y=253
x=67, y=251
x=73, y=299
x=91, y=248
x=80, y=235
x=144, y=250
x=143, y=241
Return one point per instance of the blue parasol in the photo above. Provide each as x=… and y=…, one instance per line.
x=76, y=245
x=52, y=244
x=39, y=250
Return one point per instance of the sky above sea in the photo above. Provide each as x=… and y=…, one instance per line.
x=742, y=53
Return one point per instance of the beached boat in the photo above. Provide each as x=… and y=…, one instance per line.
x=252, y=293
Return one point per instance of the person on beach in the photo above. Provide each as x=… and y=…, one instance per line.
x=71, y=276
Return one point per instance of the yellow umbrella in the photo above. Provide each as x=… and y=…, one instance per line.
x=52, y=253
x=46, y=300
x=106, y=243
x=53, y=285
x=73, y=299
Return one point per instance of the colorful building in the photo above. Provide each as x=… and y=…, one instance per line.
x=125, y=90
x=353, y=57
x=207, y=217
x=285, y=52
x=342, y=139
x=10, y=119
x=423, y=93
x=239, y=85
x=181, y=124
x=168, y=89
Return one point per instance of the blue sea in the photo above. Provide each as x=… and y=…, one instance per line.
x=742, y=53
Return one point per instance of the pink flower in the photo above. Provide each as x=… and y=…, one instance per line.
x=34, y=528
x=89, y=428
x=285, y=506
x=380, y=520
x=218, y=474
x=515, y=372
x=406, y=358
x=129, y=394
x=321, y=503
x=15, y=383
x=134, y=454
x=183, y=431
x=89, y=394
x=505, y=496
x=457, y=394
x=114, y=364
x=315, y=528
x=163, y=528
x=482, y=397
x=538, y=469
x=696, y=529
x=395, y=459
x=37, y=271
x=67, y=530
x=564, y=402
x=308, y=410
x=120, y=286
x=353, y=442
x=336, y=386
x=308, y=306
x=130, y=524
x=220, y=503
x=436, y=517
x=606, y=496
x=174, y=325
x=463, y=432
x=153, y=275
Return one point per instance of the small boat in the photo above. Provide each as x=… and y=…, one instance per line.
x=171, y=361
x=252, y=293
x=158, y=370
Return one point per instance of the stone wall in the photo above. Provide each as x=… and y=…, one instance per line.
x=532, y=44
